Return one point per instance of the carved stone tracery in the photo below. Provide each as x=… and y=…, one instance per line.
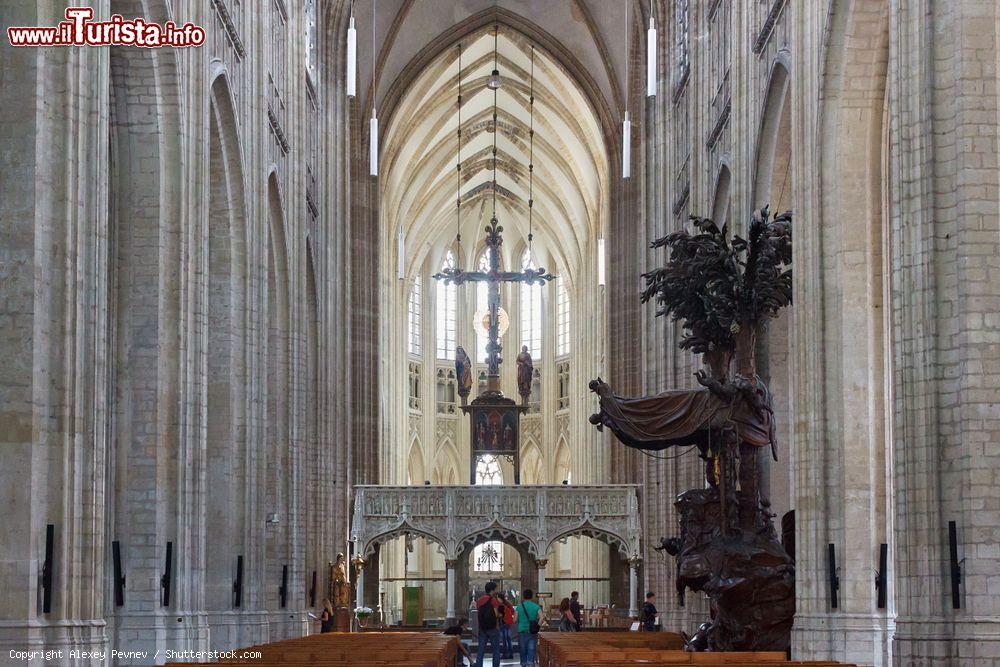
x=534, y=517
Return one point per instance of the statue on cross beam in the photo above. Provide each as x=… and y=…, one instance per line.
x=495, y=418
x=723, y=293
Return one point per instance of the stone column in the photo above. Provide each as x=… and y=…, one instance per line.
x=449, y=595
x=633, y=586
x=540, y=563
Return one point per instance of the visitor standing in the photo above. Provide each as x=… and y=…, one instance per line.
x=566, y=620
x=506, y=621
x=528, y=625
x=649, y=612
x=574, y=607
x=326, y=617
x=488, y=616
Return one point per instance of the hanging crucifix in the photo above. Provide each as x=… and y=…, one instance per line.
x=495, y=418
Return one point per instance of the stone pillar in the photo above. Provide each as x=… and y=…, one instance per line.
x=633, y=586
x=540, y=563
x=449, y=595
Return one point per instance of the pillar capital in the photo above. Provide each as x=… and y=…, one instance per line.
x=634, y=562
x=541, y=562
x=451, y=563
x=359, y=563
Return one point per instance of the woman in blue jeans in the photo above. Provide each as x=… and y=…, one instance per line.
x=527, y=641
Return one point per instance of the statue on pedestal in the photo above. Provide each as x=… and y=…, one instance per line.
x=463, y=374
x=341, y=587
x=722, y=293
x=340, y=595
x=525, y=372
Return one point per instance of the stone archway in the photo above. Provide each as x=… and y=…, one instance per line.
x=464, y=588
x=458, y=518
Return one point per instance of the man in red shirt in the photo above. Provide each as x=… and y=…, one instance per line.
x=489, y=624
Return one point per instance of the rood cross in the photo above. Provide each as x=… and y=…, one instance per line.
x=493, y=278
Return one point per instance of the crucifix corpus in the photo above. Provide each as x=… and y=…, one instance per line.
x=495, y=417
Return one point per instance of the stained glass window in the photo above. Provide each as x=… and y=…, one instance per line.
x=531, y=311
x=488, y=557
x=413, y=312
x=447, y=295
x=562, y=318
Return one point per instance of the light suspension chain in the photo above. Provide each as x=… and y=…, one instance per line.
x=458, y=165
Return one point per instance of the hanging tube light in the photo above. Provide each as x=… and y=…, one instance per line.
x=601, y=268
x=352, y=59
x=400, y=254
x=373, y=145
x=651, y=58
x=627, y=146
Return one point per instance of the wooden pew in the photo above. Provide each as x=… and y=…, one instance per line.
x=647, y=649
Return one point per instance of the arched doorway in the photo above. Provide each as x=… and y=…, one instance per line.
x=411, y=589
x=491, y=557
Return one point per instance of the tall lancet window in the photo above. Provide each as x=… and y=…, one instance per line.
x=309, y=14
x=413, y=318
x=531, y=311
x=681, y=44
x=488, y=557
x=482, y=305
x=562, y=318
x=447, y=295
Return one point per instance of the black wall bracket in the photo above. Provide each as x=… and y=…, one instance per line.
x=834, y=575
x=119, y=573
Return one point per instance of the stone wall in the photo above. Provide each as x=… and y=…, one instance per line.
x=886, y=131
x=175, y=326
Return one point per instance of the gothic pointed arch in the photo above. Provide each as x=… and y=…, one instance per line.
x=415, y=462
x=226, y=445
x=277, y=445
x=562, y=461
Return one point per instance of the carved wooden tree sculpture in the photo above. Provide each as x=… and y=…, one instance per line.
x=722, y=293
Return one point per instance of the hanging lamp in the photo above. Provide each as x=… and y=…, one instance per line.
x=352, y=57
x=651, y=58
x=494, y=82
x=601, y=267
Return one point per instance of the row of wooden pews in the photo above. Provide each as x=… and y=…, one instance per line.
x=649, y=649
x=343, y=649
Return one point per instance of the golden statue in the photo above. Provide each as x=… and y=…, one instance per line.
x=340, y=585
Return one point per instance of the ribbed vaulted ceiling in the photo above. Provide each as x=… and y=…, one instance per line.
x=419, y=182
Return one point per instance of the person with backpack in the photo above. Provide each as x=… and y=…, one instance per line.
x=487, y=613
x=528, y=625
x=506, y=622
